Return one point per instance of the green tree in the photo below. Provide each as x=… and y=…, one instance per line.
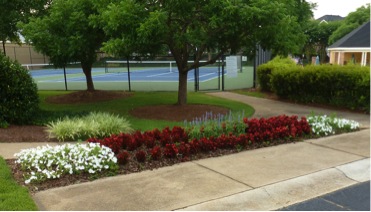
x=318, y=35
x=351, y=22
x=188, y=28
x=65, y=35
x=13, y=11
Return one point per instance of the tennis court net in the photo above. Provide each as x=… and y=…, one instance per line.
x=116, y=66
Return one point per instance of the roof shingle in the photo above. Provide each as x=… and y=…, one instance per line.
x=358, y=38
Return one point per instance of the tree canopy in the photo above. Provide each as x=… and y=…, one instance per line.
x=188, y=28
x=65, y=35
x=351, y=22
x=13, y=11
x=318, y=35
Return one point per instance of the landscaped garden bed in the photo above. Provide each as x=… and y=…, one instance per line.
x=125, y=153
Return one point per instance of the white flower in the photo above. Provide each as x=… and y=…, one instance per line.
x=323, y=125
x=51, y=162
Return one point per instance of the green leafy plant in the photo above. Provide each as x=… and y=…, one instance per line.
x=96, y=124
x=214, y=125
x=19, y=101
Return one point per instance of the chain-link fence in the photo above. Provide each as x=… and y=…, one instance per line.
x=24, y=54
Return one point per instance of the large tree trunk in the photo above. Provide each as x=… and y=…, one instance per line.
x=88, y=76
x=182, y=89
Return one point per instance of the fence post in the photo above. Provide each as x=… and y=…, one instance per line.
x=128, y=65
x=65, y=77
x=222, y=72
x=29, y=50
x=15, y=54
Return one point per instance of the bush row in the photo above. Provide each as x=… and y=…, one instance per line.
x=345, y=86
x=176, y=143
x=265, y=71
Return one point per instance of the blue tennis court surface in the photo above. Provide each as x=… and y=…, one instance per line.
x=100, y=75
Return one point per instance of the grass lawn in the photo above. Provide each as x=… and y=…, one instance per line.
x=12, y=196
x=123, y=106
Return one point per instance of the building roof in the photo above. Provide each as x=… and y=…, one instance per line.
x=358, y=38
x=329, y=18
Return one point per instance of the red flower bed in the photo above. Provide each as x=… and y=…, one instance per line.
x=175, y=142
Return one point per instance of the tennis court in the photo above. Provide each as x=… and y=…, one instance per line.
x=144, y=76
x=117, y=72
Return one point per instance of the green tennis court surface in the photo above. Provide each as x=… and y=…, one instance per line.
x=155, y=78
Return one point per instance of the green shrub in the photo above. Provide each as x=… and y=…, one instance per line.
x=18, y=93
x=265, y=71
x=97, y=125
x=345, y=86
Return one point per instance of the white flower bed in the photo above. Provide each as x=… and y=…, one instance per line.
x=324, y=125
x=48, y=162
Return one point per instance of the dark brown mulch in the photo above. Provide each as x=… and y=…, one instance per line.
x=25, y=134
x=176, y=112
x=87, y=97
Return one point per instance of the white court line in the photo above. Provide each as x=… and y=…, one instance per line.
x=79, y=79
x=155, y=75
x=202, y=76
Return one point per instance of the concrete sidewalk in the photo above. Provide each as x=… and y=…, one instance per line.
x=263, y=179
x=267, y=108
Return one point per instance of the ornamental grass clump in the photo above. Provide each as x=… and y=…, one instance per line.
x=48, y=162
x=96, y=124
x=214, y=125
x=323, y=125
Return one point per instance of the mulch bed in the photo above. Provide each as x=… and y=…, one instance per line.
x=87, y=97
x=25, y=134
x=132, y=166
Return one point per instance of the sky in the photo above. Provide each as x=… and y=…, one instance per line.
x=336, y=7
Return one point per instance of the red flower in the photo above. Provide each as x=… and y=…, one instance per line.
x=194, y=146
x=184, y=149
x=178, y=134
x=123, y=157
x=155, y=153
x=170, y=151
x=140, y=156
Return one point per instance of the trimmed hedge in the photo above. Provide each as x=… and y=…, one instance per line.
x=265, y=71
x=345, y=86
x=19, y=100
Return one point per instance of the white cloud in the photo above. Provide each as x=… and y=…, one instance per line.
x=336, y=7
